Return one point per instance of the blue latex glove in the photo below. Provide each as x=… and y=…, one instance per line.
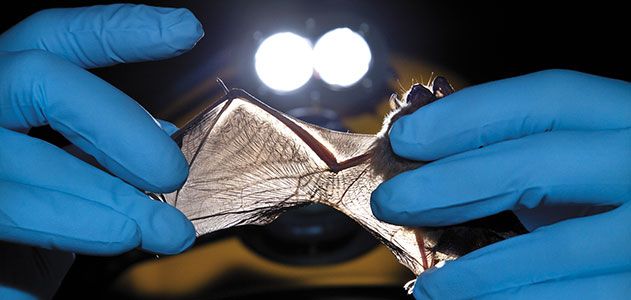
x=49, y=198
x=545, y=145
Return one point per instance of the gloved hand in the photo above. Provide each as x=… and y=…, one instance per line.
x=49, y=198
x=550, y=146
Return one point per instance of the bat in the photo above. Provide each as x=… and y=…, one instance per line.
x=248, y=163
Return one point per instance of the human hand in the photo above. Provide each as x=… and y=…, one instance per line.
x=553, y=146
x=52, y=200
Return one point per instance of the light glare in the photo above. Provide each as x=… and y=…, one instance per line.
x=284, y=61
x=341, y=57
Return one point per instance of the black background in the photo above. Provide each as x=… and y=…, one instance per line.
x=478, y=40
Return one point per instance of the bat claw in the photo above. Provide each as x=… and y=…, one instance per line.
x=409, y=286
x=223, y=85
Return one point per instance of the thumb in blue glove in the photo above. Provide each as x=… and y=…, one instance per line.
x=53, y=200
x=553, y=146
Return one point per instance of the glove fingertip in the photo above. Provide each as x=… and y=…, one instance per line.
x=163, y=171
x=129, y=237
x=384, y=207
x=182, y=30
x=409, y=140
x=421, y=291
x=175, y=174
x=168, y=231
x=167, y=126
x=9, y=292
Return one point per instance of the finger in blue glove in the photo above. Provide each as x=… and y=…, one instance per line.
x=57, y=201
x=551, y=139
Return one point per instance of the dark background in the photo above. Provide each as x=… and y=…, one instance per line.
x=478, y=41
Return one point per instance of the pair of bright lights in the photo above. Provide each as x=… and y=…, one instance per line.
x=285, y=61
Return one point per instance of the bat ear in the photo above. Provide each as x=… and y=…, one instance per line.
x=395, y=102
x=441, y=87
x=419, y=95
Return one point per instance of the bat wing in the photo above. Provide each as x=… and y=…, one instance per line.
x=248, y=163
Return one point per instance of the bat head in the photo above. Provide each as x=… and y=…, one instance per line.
x=384, y=161
x=416, y=97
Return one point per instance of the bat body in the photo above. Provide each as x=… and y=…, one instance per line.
x=248, y=163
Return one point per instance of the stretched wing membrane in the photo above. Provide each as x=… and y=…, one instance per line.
x=247, y=167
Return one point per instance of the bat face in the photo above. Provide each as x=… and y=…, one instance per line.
x=384, y=161
x=416, y=97
x=248, y=163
